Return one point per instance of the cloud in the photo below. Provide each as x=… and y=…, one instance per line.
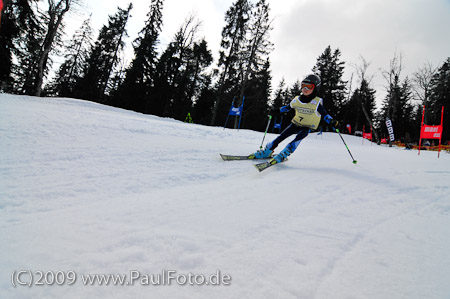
x=374, y=29
x=302, y=29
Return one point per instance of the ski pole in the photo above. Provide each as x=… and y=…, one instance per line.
x=267, y=128
x=354, y=161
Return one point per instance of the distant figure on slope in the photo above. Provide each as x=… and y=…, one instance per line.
x=308, y=112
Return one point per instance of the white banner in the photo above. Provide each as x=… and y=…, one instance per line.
x=390, y=129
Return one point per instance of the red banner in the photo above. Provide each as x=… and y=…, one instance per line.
x=367, y=136
x=431, y=132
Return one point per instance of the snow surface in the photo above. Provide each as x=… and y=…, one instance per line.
x=99, y=190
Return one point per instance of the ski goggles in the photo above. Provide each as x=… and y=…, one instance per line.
x=308, y=86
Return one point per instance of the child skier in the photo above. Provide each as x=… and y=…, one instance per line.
x=308, y=112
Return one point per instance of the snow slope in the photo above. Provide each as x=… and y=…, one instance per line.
x=97, y=190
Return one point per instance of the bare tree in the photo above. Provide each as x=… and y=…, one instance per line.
x=361, y=70
x=365, y=78
x=350, y=82
x=422, y=83
x=392, y=76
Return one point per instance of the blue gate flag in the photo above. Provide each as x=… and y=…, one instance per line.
x=277, y=125
x=236, y=111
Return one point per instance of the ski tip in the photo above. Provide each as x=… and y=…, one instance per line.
x=224, y=157
x=265, y=165
x=259, y=169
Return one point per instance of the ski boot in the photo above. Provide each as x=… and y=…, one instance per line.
x=281, y=156
x=263, y=153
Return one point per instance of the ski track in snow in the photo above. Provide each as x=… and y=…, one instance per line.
x=95, y=189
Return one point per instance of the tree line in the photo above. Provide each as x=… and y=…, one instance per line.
x=184, y=78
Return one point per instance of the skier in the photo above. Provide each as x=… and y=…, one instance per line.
x=308, y=112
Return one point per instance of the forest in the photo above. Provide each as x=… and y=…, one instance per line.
x=183, y=79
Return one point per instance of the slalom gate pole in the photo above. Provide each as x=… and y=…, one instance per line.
x=267, y=128
x=354, y=161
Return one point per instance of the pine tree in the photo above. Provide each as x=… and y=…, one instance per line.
x=116, y=79
x=255, y=83
x=18, y=23
x=406, y=111
x=243, y=61
x=25, y=70
x=199, y=78
x=359, y=109
x=257, y=99
x=191, y=78
x=103, y=58
x=204, y=104
x=440, y=96
x=294, y=91
x=71, y=70
x=20, y=37
x=134, y=93
x=397, y=104
x=280, y=96
x=169, y=67
x=234, y=40
x=333, y=89
x=181, y=71
x=177, y=77
x=258, y=46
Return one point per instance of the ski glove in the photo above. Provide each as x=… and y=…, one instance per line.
x=334, y=123
x=329, y=120
x=285, y=109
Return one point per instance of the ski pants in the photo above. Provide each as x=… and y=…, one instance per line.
x=292, y=129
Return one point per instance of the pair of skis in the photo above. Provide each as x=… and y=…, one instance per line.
x=260, y=166
x=272, y=161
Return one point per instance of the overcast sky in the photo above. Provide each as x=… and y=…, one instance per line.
x=302, y=29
